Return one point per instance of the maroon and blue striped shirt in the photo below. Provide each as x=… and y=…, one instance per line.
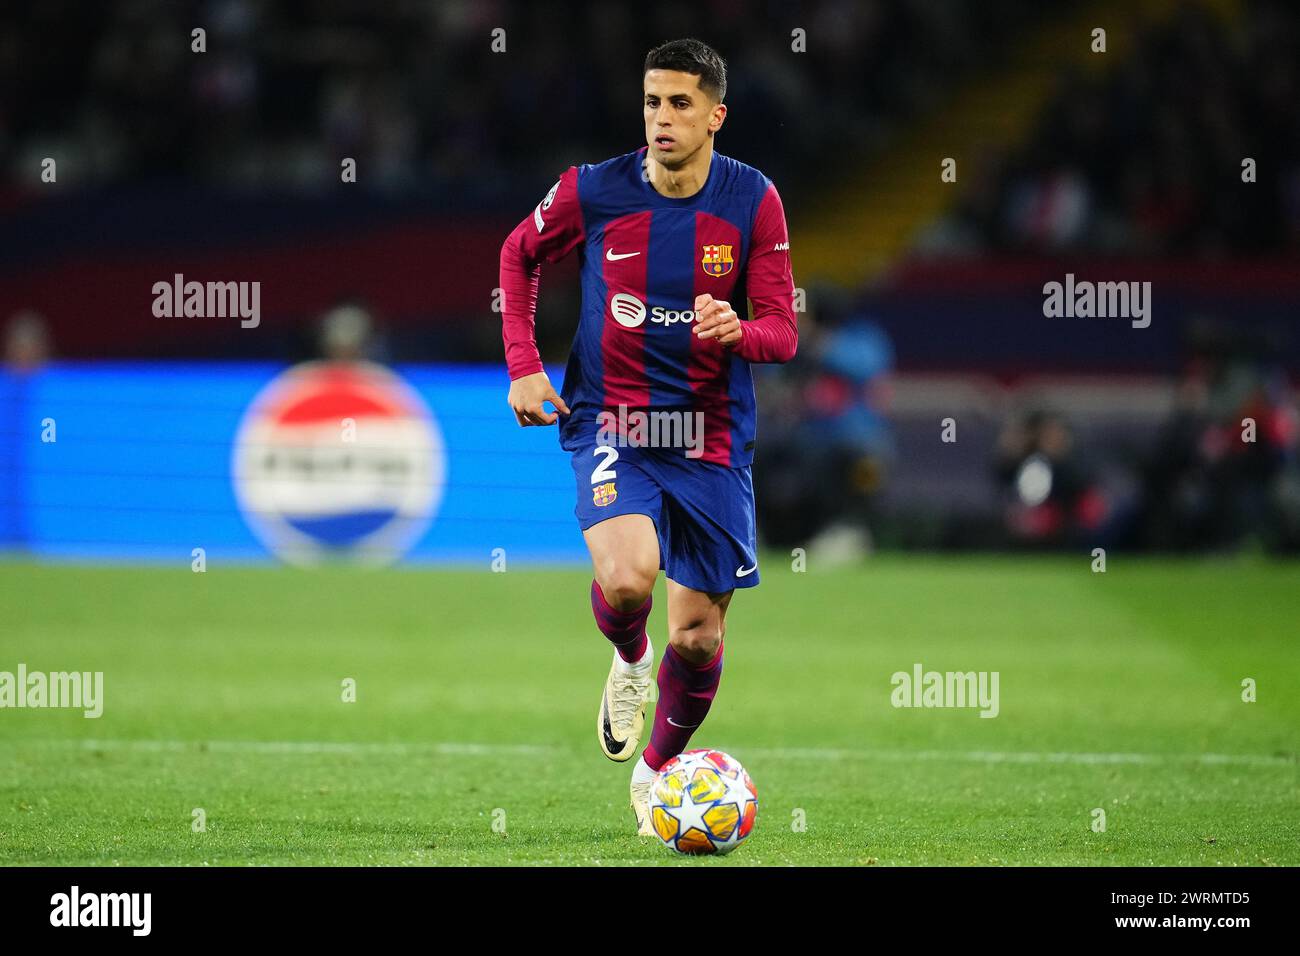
x=645, y=258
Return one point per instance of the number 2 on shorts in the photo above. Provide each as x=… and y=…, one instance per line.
x=602, y=471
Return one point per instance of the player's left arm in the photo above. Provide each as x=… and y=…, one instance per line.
x=772, y=335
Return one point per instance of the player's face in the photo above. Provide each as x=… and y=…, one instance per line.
x=679, y=116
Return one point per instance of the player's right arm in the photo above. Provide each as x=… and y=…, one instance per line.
x=553, y=230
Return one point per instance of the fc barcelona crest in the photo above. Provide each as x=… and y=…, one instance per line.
x=603, y=495
x=717, y=260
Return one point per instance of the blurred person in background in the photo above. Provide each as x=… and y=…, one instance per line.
x=1051, y=495
x=1225, y=466
x=27, y=342
x=345, y=333
x=832, y=446
x=350, y=332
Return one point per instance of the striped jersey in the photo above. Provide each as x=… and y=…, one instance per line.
x=645, y=257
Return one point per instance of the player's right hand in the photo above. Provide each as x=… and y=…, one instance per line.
x=527, y=393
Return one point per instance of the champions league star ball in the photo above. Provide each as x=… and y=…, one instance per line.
x=703, y=801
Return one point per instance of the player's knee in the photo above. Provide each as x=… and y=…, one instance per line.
x=626, y=587
x=697, y=640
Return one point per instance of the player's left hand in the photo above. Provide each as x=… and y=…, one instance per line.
x=716, y=319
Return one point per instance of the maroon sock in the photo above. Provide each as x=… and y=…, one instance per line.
x=625, y=629
x=685, y=692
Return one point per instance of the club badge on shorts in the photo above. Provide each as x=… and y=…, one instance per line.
x=603, y=495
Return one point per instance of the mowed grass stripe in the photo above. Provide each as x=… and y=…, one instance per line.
x=468, y=749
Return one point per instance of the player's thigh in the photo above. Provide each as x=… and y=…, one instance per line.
x=624, y=558
x=697, y=621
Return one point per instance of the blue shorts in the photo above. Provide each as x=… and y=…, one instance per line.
x=703, y=512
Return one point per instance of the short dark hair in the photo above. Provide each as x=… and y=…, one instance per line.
x=694, y=57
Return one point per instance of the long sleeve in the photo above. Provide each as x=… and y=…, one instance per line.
x=553, y=230
x=772, y=335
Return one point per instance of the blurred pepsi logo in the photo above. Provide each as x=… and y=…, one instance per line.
x=338, y=460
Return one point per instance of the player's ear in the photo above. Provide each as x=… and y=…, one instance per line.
x=716, y=120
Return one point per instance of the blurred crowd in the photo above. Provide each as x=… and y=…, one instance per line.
x=1140, y=158
x=1225, y=469
x=1222, y=471
x=828, y=443
x=1145, y=157
x=416, y=94
x=1219, y=471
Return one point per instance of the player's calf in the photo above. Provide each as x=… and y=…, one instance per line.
x=624, y=627
x=686, y=691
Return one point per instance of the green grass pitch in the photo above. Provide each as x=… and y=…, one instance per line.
x=476, y=699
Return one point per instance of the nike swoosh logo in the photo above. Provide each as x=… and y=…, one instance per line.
x=743, y=571
x=612, y=745
x=683, y=726
x=612, y=257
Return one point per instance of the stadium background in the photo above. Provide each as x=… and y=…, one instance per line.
x=923, y=303
x=922, y=297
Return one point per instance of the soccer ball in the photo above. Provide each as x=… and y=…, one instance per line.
x=703, y=801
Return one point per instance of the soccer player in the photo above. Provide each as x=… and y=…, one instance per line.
x=670, y=236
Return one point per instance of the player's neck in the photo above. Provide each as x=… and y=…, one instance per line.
x=684, y=182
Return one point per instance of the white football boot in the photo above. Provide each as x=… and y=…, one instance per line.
x=642, y=778
x=621, y=717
